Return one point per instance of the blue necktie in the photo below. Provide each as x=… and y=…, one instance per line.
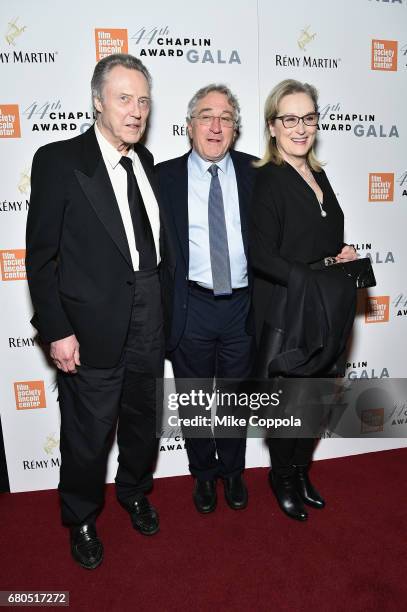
x=218, y=239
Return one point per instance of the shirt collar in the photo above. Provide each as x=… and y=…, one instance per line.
x=112, y=155
x=200, y=165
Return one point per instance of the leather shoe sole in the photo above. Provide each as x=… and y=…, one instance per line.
x=314, y=503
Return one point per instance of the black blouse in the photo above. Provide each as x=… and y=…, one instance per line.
x=286, y=222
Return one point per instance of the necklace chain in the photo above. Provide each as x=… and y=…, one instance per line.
x=309, y=179
x=307, y=175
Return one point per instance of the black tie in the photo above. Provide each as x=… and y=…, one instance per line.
x=141, y=224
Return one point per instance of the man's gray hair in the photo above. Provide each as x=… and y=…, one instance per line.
x=218, y=88
x=105, y=65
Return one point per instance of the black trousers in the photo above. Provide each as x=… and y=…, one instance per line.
x=286, y=453
x=215, y=344
x=94, y=400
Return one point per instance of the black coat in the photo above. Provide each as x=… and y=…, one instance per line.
x=303, y=317
x=78, y=261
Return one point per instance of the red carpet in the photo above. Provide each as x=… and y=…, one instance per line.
x=351, y=556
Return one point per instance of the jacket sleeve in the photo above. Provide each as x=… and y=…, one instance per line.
x=43, y=235
x=266, y=227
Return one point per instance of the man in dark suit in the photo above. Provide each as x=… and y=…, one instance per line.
x=205, y=194
x=93, y=236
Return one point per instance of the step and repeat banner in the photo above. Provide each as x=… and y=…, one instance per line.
x=353, y=51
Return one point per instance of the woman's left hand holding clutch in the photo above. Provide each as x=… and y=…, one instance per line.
x=348, y=253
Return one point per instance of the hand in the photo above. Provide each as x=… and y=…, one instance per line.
x=65, y=354
x=348, y=253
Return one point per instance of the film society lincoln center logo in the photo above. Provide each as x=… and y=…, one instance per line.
x=377, y=309
x=109, y=41
x=372, y=420
x=381, y=186
x=9, y=121
x=384, y=55
x=30, y=394
x=12, y=265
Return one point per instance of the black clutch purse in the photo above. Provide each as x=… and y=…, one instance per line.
x=359, y=270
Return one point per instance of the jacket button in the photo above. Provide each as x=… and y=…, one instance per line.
x=184, y=306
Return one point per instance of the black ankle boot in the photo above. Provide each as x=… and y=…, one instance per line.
x=284, y=489
x=306, y=489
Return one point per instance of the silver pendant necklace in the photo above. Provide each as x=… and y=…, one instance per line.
x=308, y=180
x=323, y=212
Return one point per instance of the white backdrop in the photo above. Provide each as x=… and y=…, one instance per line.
x=354, y=51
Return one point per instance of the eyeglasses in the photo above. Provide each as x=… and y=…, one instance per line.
x=290, y=121
x=205, y=119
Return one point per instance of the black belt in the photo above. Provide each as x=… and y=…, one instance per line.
x=196, y=285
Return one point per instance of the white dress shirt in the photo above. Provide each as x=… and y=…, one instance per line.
x=199, y=181
x=118, y=178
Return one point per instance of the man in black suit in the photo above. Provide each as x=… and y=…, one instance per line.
x=205, y=194
x=93, y=236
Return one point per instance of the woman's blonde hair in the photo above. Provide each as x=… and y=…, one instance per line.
x=285, y=88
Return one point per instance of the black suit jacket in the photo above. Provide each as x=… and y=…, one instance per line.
x=78, y=261
x=173, y=188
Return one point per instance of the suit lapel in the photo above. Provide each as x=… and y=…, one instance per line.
x=243, y=189
x=96, y=185
x=178, y=195
x=148, y=168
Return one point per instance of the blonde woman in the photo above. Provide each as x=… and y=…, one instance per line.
x=296, y=221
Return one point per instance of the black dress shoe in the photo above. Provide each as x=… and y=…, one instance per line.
x=144, y=517
x=86, y=548
x=205, y=498
x=236, y=492
x=306, y=489
x=284, y=488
